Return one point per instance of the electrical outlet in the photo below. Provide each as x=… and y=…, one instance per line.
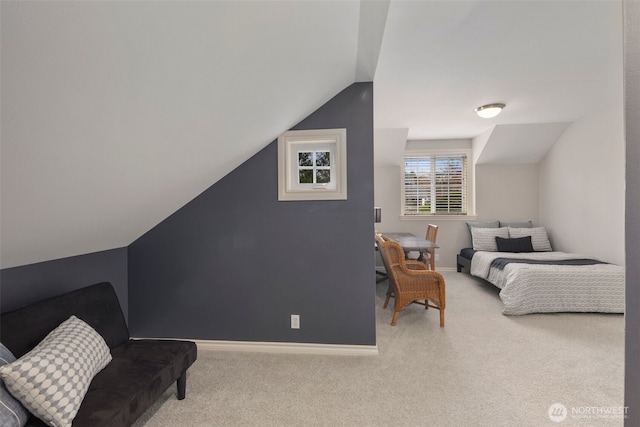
x=437, y=257
x=295, y=321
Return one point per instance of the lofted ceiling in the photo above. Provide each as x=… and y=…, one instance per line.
x=116, y=114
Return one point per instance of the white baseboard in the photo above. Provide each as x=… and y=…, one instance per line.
x=288, y=347
x=280, y=347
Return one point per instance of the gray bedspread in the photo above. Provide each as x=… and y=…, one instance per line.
x=501, y=263
x=540, y=288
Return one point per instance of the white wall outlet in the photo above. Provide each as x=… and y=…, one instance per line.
x=437, y=257
x=295, y=321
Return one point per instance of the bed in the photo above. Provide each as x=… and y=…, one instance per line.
x=464, y=259
x=542, y=280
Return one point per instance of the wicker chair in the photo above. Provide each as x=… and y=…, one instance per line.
x=430, y=255
x=411, y=263
x=409, y=283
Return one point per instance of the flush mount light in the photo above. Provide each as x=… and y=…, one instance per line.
x=490, y=110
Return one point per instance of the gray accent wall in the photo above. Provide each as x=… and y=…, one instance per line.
x=23, y=285
x=632, y=221
x=235, y=263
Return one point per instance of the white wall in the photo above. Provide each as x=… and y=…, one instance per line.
x=508, y=193
x=582, y=185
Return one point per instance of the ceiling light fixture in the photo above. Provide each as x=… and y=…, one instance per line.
x=490, y=110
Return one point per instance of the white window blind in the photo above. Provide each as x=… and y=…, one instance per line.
x=435, y=184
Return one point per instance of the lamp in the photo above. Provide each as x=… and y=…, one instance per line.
x=377, y=215
x=490, y=110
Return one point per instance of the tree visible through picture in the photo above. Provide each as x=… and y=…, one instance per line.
x=314, y=167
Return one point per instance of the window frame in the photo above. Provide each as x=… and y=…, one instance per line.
x=470, y=204
x=291, y=143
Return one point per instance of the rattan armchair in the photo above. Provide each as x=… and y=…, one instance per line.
x=430, y=255
x=411, y=263
x=409, y=283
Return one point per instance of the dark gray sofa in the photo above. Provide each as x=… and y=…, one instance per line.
x=140, y=371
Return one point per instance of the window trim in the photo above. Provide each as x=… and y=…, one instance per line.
x=294, y=141
x=469, y=184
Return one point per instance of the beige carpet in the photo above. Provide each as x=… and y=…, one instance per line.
x=481, y=369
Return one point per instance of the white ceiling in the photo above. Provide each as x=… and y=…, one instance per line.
x=549, y=61
x=115, y=114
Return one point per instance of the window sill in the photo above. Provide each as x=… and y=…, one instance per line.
x=438, y=217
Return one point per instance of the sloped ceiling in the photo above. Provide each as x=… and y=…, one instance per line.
x=115, y=114
x=518, y=143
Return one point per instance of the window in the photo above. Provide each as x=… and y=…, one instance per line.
x=435, y=184
x=312, y=165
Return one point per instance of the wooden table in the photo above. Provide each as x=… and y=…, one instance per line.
x=411, y=242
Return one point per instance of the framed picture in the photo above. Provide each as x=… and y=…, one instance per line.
x=312, y=165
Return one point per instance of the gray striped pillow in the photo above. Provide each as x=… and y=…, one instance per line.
x=539, y=237
x=484, y=239
x=12, y=413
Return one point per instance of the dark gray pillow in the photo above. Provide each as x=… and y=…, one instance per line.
x=518, y=244
x=483, y=224
x=526, y=224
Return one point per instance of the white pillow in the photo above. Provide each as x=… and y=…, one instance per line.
x=52, y=379
x=539, y=237
x=484, y=239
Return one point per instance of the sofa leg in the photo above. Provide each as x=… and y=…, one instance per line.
x=182, y=385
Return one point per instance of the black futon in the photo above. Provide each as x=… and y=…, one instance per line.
x=139, y=372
